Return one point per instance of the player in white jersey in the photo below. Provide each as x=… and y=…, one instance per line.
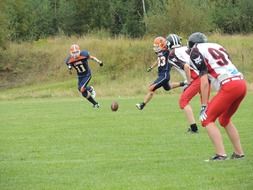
x=179, y=58
x=213, y=63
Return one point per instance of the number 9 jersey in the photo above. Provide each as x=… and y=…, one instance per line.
x=80, y=63
x=212, y=59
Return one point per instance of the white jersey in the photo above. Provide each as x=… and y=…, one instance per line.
x=178, y=57
x=212, y=58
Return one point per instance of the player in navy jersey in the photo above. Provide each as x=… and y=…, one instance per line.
x=162, y=52
x=180, y=60
x=79, y=61
x=213, y=63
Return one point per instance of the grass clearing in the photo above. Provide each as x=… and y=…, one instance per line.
x=62, y=143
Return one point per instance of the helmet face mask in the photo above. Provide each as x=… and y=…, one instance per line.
x=196, y=38
x=75, y=51
x=173, y=41
x=160, y=44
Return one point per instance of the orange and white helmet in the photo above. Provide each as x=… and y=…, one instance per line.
x=75, y=51
x=160, y=44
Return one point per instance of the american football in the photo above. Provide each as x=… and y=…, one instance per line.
x=114, y=106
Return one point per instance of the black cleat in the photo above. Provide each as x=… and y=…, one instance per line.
x=237, y=156
x=189, y=130
x=217, y=158
x=140, y=106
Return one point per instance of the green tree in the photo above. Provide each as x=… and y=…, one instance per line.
x=174, y=16
x=3, y=25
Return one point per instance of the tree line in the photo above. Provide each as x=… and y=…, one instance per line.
x=23, y=20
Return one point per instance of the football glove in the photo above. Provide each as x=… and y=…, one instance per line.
x=101, y=63
x=202, y=115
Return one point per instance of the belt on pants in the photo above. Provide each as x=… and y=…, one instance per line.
x=231, y=79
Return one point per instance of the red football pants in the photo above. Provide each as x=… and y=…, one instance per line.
x=225, y=103
x=189, y=93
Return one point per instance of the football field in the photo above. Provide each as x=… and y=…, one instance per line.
x=65, y=144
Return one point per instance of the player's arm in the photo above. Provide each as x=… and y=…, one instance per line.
x=96, y=60
x=152, y=66
x=199, y=63
x=187, y=72
x=68, y=65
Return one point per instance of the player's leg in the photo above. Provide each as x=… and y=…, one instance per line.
x=216, y=138
x=235, y=140
x=185, y=98
x=215, y=108
x=177, y=84
x=193, y=127
x=223, y=105
x=225, y=119
x=82, y=83
x=92, y=91
x=151, y=90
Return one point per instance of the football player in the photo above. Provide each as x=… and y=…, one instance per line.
x=79, y=61
x=179, y=59
x=213, y=62
x=162, y=52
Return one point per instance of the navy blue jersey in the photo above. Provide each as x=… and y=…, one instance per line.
x=80, y=63
x=163, y=65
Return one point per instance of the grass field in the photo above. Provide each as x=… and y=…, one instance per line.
x=63, y=143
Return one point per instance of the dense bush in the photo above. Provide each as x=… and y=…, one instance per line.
x=35, y=19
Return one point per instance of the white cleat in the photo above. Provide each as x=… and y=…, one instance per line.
x=96, y=106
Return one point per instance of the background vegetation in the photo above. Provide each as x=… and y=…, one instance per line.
x=35, y=19
x=35, y=37
x=40, y=64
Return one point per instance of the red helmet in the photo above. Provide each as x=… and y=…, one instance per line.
x=160, y=44
x=75, y=51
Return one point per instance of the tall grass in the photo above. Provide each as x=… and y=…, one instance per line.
x=40, y=64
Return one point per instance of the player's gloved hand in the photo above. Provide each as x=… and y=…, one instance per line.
x=202, y=115
x=70, y=68
x=149, y=69
x=101, y=63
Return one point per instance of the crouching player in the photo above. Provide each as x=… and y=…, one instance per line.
x=179, y=58
x=213, y=62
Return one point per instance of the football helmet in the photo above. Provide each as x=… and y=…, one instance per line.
x=196, y=38
x=160, y=44
x=75, y=51
x=173, y=41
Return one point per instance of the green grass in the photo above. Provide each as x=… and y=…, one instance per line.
x=62, y=143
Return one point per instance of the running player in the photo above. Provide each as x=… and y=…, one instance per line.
x=162, y=52
x=79, y=60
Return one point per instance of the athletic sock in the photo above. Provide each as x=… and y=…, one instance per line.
x=182, y=83
x=143, y=105
x=90, y=99
x=194, y=127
